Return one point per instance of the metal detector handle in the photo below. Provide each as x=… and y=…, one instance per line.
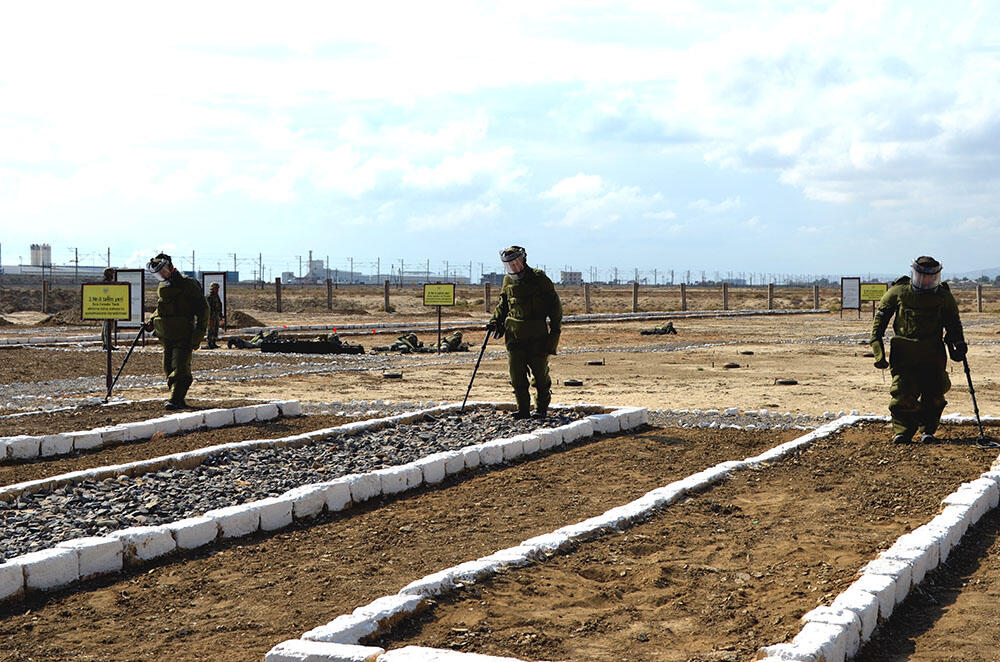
x=972, y=392
x=475, y=370
x=142, y=330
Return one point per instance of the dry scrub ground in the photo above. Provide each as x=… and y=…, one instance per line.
x=711, y=578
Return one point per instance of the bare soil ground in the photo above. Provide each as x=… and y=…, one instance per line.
x=713, y=578
x=690, y=585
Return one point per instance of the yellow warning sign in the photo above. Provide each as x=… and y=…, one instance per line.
x=873, y=291
x=439, y=294
x=106, y=301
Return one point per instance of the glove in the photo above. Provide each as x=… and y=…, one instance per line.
x=553, y=343
x=957, y=351
x=495, y=328
x=148, y=326
x=878, y=349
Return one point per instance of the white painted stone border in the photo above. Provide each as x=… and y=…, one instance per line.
x=829, y=632
x=70, y=560
x=28, y=447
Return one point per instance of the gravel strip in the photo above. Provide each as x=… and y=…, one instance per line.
x=41, y=519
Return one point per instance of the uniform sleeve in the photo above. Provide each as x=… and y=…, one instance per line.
x=555, y=317
x=503, y=305
x=200, y=305
x=886, y=309
x=952, y=324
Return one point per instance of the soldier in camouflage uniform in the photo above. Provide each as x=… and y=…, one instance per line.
x=179, y=322
x=527, y=298
x=214, y=315
x=923, y=307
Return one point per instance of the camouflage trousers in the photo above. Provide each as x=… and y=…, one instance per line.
x=177, y=368
x=528, y=365
x=918, y=399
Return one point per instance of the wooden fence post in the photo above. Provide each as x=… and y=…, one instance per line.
x=329, y=294
x=277, y=292
x=725, y=295
x=770, y=296
x=486, y=297
x=815, y=297
x=45, y=296
x=684, y=296
x=979, y=296
x=635, y=297
x=385, y=288
x=586, y=297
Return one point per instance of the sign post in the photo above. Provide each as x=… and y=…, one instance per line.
x=106, y=301
x=439, y=294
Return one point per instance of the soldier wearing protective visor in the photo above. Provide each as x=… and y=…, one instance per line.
x=179, y=322
x=923, y=307
x=527, y=299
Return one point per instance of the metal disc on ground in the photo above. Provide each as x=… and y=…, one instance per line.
x=748, y=352
x=786, y=382
x=392, y=375
x=601, y=362
x=731, y=365
x=572, y=382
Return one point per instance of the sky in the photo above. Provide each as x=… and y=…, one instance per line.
x=798, y=137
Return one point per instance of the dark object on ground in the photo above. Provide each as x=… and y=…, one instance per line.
x=731, y=365
x=328, y=344
x=409, y=343
x=786, y=382
x=572, y=382
x=597, y=362
x=663, y=329
x=747, y=352
x=392, y=375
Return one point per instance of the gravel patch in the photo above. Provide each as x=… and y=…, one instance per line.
x=39, y=520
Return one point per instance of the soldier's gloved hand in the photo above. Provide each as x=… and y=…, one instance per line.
x=878, y=350
x=958, y=350
x=494, y=327
x=148, y=326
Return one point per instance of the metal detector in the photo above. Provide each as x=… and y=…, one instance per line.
x=983, y=441
x=142, y=330
x=476, y=369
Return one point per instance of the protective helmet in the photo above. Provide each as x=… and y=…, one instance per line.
x=925, y=274
x=514, y=261
x=213, y=286
x=158, y=264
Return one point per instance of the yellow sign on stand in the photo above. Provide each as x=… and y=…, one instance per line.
x=439, y=294
x=873, y=291
x=106, y=301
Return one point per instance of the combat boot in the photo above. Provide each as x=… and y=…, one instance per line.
x=928, y=439
x=541, y=413
x=902, y=438
x=171, y=405
x=520, y=414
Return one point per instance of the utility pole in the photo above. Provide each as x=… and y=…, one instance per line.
x=378, y=270
x=427, y=278
x=260, y=269
x=76, y=261
x=194, y=272
x=401, y=273
x=234, y=262
x=300, y=265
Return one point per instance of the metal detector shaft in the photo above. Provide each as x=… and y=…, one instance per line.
x=142, y=330
x=972, y=392
x=475, y=370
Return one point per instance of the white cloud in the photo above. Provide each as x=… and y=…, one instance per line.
x=468, y=215
x=586, y=201
x=729, y=204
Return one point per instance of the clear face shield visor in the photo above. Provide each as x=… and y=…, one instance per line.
x=160, y=268
x=925, y=282
x=515, y=266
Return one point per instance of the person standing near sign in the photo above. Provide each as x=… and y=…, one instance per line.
x=179, y=322
x=527, y=299
x=214, y=315
x=923, y=307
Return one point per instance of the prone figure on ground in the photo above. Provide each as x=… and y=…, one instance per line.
x=527, y=299
x=179, y=322
x=923, y=307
